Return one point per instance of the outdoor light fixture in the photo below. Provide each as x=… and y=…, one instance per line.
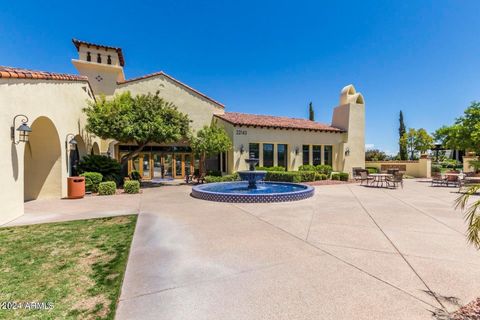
x=23, y=129
x=347, y=151
x=297, y=150
x=72, y=141
x=242, y=150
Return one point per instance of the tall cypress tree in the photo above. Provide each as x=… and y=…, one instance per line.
x=402, y=141
x=311, y=113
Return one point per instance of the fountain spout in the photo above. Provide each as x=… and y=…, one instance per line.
x=252, y=175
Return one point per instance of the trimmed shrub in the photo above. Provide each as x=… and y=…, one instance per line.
x=342, y=176
x=287, y=176
x=110, y=169
x=212, y=179
x=324, y=169
x=107, y=188
x=307, y=176
x=92, y=179
x=320, y=176
x=225, y=178
x=372, y=170
x=306, y=167
x=277, y=168
x=214, y=173
x=132, y=186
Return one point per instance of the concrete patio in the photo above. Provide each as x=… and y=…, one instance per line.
x=350, y=252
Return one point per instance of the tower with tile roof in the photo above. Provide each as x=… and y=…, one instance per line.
x=103, y=65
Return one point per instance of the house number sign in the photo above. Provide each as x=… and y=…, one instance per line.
x=241, y=132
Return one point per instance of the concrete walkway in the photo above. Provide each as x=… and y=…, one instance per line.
x=350, y=252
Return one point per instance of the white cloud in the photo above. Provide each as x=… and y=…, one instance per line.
x=369, y=146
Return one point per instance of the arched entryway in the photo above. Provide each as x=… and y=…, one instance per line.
x=95, y=149
x=42, y=162
x=76, y=153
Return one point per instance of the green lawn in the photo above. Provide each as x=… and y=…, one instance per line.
x=77, y=267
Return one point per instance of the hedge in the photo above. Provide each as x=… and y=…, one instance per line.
x=324, y=169
x=107, y=188
x=283, y=176
x=306, y=167
x=132, y=186
x=307, y=176
x=342, y=176
x=321, y=168
x=320, y=176
x=277, y=168
x=92, y=179
x=225, y=178
x=372, y=169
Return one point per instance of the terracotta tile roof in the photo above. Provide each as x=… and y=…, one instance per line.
x=263, y=121
x=18, y=73
x=77, y=44
x=161, y=73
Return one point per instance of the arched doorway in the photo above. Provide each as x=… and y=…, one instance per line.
x=95, y=149
x=42, y=162
x=76, y=153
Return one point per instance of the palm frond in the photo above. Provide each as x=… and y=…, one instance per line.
x=471, y=214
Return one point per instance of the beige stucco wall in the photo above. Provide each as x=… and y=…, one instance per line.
x=466, y=163
x=293, y=138
x=54, y=109
x=199, y=109
x=421, y=168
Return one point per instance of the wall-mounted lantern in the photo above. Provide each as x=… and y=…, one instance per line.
x=347, y=151
x=23, y=129
x=297, y=150
x=72, y=142
x=242, y=149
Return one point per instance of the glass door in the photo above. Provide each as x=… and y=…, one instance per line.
x=157, y=165
x=167, y=166
x=188, y=164
x=146, y=174
x=179, y=166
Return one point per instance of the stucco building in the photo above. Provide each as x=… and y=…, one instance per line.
x=53, y=104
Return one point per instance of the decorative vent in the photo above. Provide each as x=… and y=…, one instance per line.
x=99, y=78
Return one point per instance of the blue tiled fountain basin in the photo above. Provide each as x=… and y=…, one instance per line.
x=265, y=192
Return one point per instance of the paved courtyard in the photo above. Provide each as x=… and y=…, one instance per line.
x=350, y=252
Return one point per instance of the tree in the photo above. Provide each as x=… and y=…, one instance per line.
x=375, y=155
x=311, y=113
x=464, y=134
x=423, y=141
x=402, y=142
x=418, y=141
x=141, y=119
x=410, y=138
x=210, y=141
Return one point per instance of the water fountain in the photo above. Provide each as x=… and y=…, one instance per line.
x=249, y=190
x=251, y=175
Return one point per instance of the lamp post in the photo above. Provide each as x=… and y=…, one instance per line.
x=72, y=143
x=23, y=129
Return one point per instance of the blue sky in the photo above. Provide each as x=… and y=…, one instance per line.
x=273, y=57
